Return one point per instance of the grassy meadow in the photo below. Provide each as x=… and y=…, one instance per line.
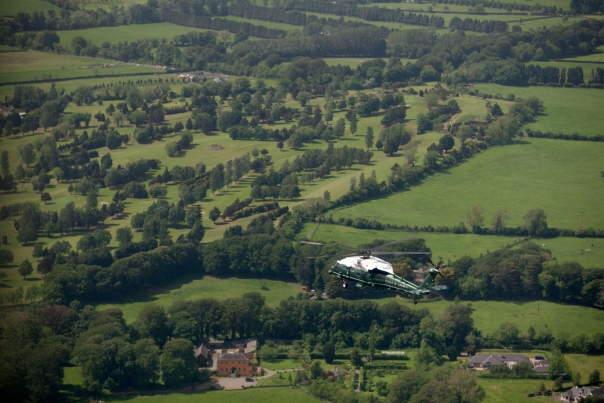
x=254, y=395
x=208, y=287
x=12, y=7
x=31, y=65
x=541, y=315
x=514, y=177
x=566, y=110
x=453, y=246
x=126, y=33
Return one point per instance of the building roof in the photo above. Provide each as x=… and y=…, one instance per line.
x=497, y=359
x=4, y=110
x=251, y=345
x=232, y=357
x=541, y=369
x=201, y=350
x=575, y=392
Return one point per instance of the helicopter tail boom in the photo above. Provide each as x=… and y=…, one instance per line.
x=428, y=282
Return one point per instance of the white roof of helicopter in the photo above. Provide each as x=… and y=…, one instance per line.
x=367, y=263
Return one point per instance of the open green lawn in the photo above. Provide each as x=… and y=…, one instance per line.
x=457, y=8
x=71, y=84
x=280, y=364
x=489, y=315
x=512, y=390
x=566, y=110
x=208, y=287
x=127, y=33
x=391, y=25
x=275, y=380
x=454, y=246
x=267, y=24
x=12, y=7
x=73, y=376
x=543, y=22
x=107, y=4
x=585, y=364
x=255, y=395
x=597, y=56
x=561, y=177
x=32, y=65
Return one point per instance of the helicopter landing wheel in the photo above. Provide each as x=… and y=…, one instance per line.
x=344, y=285
x=414, y=302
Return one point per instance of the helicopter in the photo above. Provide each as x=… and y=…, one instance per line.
x=364, y=268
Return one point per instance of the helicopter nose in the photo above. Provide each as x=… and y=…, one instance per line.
x=329, y=271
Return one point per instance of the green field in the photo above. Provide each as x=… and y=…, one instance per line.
x=390, y=25
x=267, y=24
x=73, y=376
x=31, y=65
x=512, y=390
x=12, y=7
x=107, y=4
x=208, y=287
x=489, y=315
x=515, y=177
x=257, y=395
x=126, y=33
x=278, y=365
x=274, y=380
x=453, y=246
x=597, y=56
x=566, y=110
x=452, y=7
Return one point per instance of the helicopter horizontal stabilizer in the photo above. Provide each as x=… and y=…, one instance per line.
x=438, y=288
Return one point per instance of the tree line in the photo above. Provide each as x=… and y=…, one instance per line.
x=373, y=13
x=220, y=24
x=484, y=26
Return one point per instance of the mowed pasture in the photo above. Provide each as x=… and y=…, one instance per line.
x=267, y=24
x=13, y=7
x=254, y=395
x=566, y=110
x=561, y=177
x=453, y=246
x=208, y=287
x=33, y=66
x=541, y=315
x=127, y=33
x=107, y=4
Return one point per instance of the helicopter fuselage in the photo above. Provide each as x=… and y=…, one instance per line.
x=371, y=271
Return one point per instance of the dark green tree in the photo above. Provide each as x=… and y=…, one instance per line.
x=178, y=363
x=25, y=268
x=152, y=322
x=214, y=214
x=329, y=352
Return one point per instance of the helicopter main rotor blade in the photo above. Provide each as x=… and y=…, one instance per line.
x=401, y=253
x=313, y=243
x=393, y=242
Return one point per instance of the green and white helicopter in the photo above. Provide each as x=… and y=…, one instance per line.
x=365, y=269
